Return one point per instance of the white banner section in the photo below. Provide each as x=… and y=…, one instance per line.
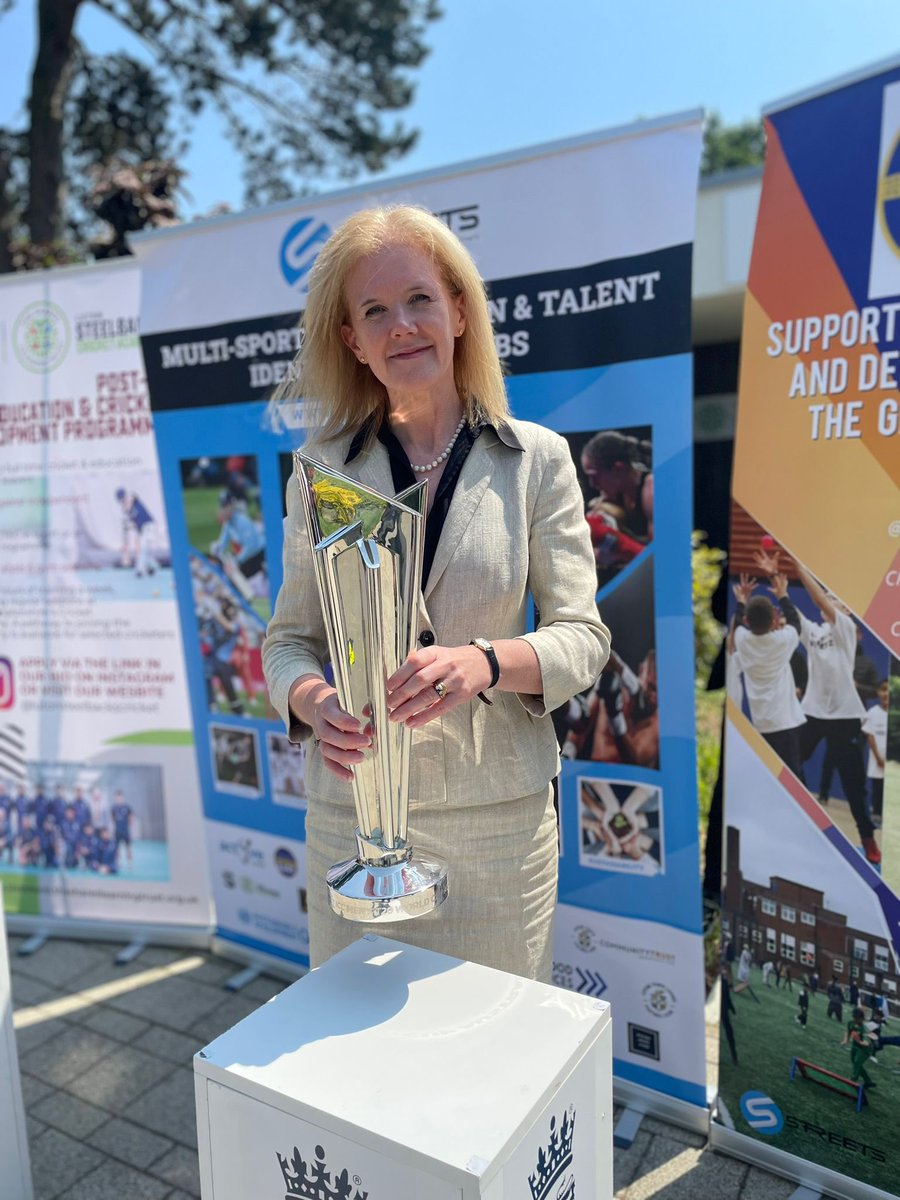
x=99, y=803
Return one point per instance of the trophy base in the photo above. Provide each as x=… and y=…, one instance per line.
x=359, y=891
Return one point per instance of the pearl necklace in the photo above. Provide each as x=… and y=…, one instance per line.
x=440, y=458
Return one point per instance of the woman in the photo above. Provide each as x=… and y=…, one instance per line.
x=398, y=351
x=617, y=466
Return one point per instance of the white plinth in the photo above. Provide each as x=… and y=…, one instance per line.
x=15, y=1168
x=399, y=1074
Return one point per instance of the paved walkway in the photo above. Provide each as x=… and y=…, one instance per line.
x=105, y=1053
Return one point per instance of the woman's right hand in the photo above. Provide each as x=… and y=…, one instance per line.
x=340, y=737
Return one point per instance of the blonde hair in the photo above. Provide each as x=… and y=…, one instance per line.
x=344, y=392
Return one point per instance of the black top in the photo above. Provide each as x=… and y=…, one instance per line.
x=404, y=477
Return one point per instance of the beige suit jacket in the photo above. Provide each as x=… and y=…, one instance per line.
x=515, y=526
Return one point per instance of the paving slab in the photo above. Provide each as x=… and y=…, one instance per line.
x=181, y=1168
x=27, y=991
x=158, y=956
x=166, y=1043
x=33, y=1128
x=231, y=1010
x=169, y=1108
x=263, y=988
x=626, y=1163
x=653, y=1125
x=60, y=1059
x=214, y=971
x=677, y=1171
x=31, y=1036
x=116, y=1181
x=112, y=1023
x=33, y=1089
x=176, y=1002
x=130, y=1143
x=70, y=1114
x=61, y=963
x=761, y=1185
x=122, y=1076
x=58, y=1162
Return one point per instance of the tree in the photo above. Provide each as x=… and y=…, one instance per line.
x=726, y=147
x=303, y=87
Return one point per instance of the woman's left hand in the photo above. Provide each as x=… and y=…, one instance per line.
x=464, y=671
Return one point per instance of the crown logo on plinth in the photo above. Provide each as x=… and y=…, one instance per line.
x=312, y=1181
x=554, y=1160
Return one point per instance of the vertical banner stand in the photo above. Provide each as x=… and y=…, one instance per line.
x=13, y=1139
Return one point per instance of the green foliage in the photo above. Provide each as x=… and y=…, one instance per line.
x=303, y=87
x=710, y=710
x=726, y=147
x=706, y=568
x=893, y=736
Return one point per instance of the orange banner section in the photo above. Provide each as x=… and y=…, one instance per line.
x=830, y=496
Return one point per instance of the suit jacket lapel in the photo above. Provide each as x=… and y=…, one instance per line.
x=373, y=470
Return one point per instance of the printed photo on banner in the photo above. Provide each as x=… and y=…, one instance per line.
x=84, y=820
x=235, y=761
x=620, y=826
x=287, y=763
x=617, y=719
x=230, y=644
x=110, y=528
x=229, y=580
x=615, y=470
x=810, y=980
x=224, y=521
x=813, y=680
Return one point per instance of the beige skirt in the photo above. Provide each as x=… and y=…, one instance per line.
x=502, y=874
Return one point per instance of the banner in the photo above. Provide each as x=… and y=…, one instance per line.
x=811, y=919
x=587, y=250
x=99, y=803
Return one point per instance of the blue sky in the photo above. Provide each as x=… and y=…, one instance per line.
x=509, y=73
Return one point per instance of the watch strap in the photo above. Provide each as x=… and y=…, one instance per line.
x=488, y=650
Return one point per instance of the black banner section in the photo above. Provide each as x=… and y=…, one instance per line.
x=219, y=364
x=615, y=311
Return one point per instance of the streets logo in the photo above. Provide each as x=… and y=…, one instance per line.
x=299, y=248
x=461, y=220
x=554, y=1165
x=312, y=1181
x=41, y=336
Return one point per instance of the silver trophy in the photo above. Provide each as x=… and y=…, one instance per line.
x=367, y=550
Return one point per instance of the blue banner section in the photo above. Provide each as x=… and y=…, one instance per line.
x=646, y=601
x=223, y=472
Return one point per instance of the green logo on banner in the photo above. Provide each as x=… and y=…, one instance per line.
x=41, y=336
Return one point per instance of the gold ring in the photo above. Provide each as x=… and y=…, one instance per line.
x=441, y=688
